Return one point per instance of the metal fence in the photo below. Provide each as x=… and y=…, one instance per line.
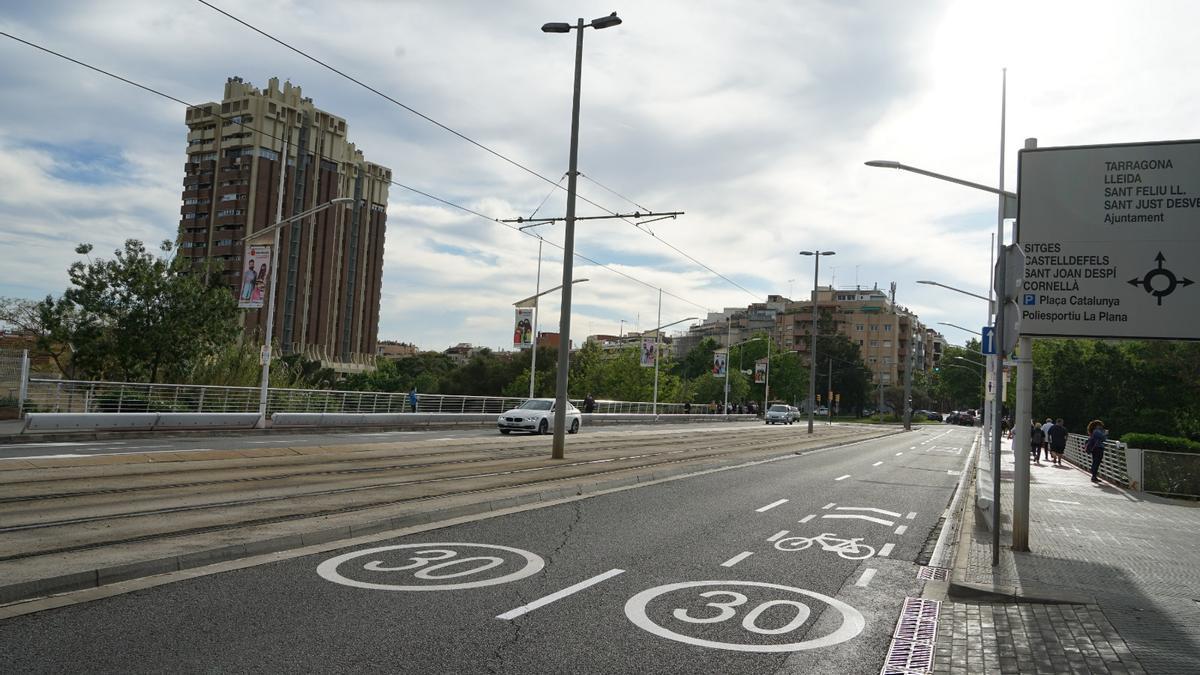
x=76, y=396
x=1112, y=467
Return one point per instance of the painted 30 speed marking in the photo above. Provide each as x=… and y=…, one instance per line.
x=723, y=603
x=433, y=563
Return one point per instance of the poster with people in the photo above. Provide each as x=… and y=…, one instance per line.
x=648, y=353
x=523, y=328
x=255, y=277
x=760, y=372
x=718, y=368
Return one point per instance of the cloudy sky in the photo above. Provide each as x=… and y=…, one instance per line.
x=754, y=118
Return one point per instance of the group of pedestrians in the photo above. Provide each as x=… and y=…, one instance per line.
x=1050, y=440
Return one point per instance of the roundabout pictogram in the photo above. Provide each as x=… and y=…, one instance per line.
x=1160, y=287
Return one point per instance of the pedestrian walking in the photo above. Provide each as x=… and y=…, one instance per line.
x=412, y=399
x=1095, y=446
x=1046, y=438
x=1037, y=439
x=1058, y=440
x=589, y=403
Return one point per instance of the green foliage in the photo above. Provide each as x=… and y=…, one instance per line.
x=136, y=317
x=423, y=371
x=1160, y=442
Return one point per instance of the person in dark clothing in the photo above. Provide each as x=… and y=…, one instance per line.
x=1058, y=441
x=687, y=408
x=1037, y=438
x=1095, y=446
x=589, y=404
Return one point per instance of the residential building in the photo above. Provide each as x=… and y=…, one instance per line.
x=330, y=265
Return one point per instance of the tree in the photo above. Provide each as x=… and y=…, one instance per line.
x=137, y=317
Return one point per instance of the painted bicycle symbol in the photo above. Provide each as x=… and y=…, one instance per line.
x=437, y=563
x=850, y=549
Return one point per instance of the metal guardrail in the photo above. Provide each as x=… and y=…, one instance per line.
x=75, y=396
x=1113, y=467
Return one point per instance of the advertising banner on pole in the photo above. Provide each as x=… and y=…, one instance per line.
x=719, y=359
x=760, y=372
x=523, y=328
x=648, y=353
x=255, y=276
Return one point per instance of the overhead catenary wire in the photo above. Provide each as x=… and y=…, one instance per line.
x=468, y=139
x=398, y=184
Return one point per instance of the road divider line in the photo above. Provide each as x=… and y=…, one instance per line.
x=866, y=577
x=1061, y=501
x=772, y=505
x=869, y=508
x=807, y=518
x=911, y=515
x=828, y=506
x=778, y=535
x=885, y=550
x=899, y=453
x=902, y=529
x=559, y=595
x=737, y=558
x=842, y=477
x=877, y=463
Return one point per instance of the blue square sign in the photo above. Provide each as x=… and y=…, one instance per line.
x=1029, y=299
x=988, y=343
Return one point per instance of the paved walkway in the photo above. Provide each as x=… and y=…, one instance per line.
x=1111, y=584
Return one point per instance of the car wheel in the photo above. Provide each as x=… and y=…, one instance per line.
x=505, y=431
x=542, y=426
x=574, y=427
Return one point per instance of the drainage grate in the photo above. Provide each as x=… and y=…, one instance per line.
x=911, y=650
x=932, y=573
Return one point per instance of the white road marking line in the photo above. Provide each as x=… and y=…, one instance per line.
x=877, y=463
x=954, y=472
x=913, y=448
x=737, y=559
x=842, y=477
x=902, y=529
x=778, y=535
x=1060, y=501
x=559, y=595
x=854, y=516
x=866, y=577
x=911, y=515
x=868, y=508
x=772, y=505
x=828, y=506
x=807, y=518
x=885, y=550
x=899, y=453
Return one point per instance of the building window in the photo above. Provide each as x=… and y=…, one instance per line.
x=858, y=327
x=229, y=212
x=225, y=242
x=887, y=328
x=874, y=344
x=887, y=343
x=268, y=154
x=231, y=197
x=875, y=327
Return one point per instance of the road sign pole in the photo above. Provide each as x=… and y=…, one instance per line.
x=1021, y=421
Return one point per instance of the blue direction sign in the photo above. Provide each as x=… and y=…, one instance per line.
x=989, y=340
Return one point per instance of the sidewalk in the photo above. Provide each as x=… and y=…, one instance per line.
x=1111, y=584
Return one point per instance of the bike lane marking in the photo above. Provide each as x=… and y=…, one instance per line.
x=828, y=506
x=445, y=554
x=885, y=550
x=559, y=595
x=770, y=506
x=857, y=516
x=877, y=463
x=911, y=515
x=899, y=453
x=902, y=529
x=778, y=535
x=737, y=559
x=841, y=478
x=807, y=518
x=866, y=577
x=869, y=508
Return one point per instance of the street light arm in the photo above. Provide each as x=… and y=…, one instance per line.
x=299, y=216
x=954, y=325
x=530, y=299
x=889, y=164
x=956, y=290
x=690, y=318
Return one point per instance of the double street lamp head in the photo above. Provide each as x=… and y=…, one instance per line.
x=818, y=252
x=603, y=22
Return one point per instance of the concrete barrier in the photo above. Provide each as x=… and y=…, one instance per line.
x=206, y=421
x=137, y=421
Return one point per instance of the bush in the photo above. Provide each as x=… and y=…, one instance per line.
x=1160, y=442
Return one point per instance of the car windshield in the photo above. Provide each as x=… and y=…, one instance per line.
x=534, y=404
x=779, y=408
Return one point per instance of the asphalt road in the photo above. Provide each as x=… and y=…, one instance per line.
x=698, y=575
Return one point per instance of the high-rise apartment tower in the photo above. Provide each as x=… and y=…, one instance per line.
x=330, y=264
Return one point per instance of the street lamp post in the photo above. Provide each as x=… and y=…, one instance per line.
x=657, y=342
x=537, y=292
x=270, y=332
x=812, y=346
x=564, y=321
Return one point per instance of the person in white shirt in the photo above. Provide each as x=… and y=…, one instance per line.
x=1046, y=435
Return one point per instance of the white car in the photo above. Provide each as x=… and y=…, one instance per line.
x=779, y=414
x=537, y=417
